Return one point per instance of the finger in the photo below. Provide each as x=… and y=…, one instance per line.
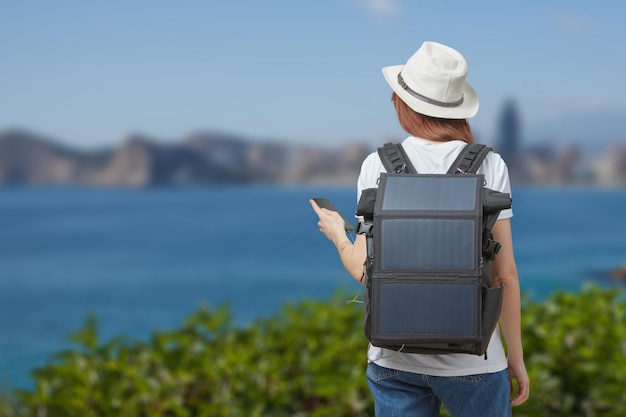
x=321, y=210
x=519, y=400
x=523, y=392
x=316, y=208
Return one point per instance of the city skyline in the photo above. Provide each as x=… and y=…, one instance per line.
x=308, y=73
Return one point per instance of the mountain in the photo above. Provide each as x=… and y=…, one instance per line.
x=202, y=158
x=27, y=158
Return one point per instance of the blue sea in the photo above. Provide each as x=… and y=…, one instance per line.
x=143, y=260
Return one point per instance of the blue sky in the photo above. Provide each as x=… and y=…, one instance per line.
x=91, y=73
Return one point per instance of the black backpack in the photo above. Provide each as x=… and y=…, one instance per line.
x=429, y=244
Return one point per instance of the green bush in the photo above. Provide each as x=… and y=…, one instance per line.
x=310, y=360
x=575, y=348
x=306, y=361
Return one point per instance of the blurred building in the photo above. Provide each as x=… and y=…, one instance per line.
x=555, y=163
x=610, y=168
x=508, y=140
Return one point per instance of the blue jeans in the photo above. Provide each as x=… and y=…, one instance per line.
x=403, y=394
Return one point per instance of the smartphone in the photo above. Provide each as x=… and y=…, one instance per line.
x=325, y=203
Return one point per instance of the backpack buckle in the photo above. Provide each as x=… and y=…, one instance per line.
x=491, y=249
x=400, y=169
x=363, y=228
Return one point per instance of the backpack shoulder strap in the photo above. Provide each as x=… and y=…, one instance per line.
x=469, y=159
x=395, y=159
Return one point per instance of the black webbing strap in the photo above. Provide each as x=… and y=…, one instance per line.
x=469, y=159
x=395, y=159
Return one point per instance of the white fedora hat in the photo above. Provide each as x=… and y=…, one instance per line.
x=433, y=83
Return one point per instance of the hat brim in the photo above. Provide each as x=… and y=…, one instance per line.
x=465, y=110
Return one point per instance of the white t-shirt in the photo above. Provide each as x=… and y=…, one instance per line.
x=436, y=158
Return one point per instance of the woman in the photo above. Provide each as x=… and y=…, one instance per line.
x=432, y=102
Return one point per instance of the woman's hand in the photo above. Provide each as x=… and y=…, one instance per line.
x=352, y=255
x=517, y=372
x=331, y=223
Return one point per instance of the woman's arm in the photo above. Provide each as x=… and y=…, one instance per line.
x=504, y=271
x=352, y=254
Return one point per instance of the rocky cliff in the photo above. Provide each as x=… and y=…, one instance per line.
x=200, y=159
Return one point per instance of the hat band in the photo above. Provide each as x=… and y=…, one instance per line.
x=424, y=98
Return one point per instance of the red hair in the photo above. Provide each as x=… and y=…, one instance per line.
x=431, y=128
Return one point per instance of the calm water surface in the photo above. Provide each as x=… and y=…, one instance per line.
x=142, y=260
